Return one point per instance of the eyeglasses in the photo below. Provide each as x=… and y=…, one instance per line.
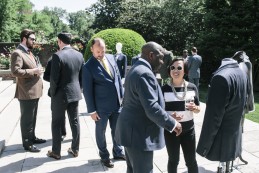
x=179, y=68
x=32, y=39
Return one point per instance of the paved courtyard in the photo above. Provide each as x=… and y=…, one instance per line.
x=15, y=159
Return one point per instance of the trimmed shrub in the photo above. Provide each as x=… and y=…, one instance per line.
x=131, y=42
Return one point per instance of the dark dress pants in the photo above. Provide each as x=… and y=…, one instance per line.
x=187, y=141
x=139, y=161
x=59, y=108
x=63, y=127
x=100, y=130
x=29, y=110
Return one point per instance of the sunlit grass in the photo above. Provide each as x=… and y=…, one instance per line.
x=253, y=116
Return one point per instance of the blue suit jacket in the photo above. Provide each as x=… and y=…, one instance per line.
x=101, y=91
x=142, y=119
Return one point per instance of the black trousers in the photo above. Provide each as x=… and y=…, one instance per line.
x=59, y=108
x=29, y=110
x=187, y=141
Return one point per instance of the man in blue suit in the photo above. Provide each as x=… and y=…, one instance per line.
x=142, y=119
x=103, y=91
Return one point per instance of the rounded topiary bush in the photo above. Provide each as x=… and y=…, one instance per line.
x=131, y=42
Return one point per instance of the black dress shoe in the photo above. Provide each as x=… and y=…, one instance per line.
x=39, y=141
x=107, y=162
x=122, y=157
x=32, y=149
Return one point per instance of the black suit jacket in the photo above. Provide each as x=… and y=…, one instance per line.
x=46, y=75
x=121, y=60
x=221, y=133
x=65, y=76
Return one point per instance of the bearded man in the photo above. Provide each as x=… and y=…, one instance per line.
x=27, y=70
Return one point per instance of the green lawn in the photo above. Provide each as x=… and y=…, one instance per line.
x=253, y=116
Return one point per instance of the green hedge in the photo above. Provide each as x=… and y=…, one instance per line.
x=131, y=42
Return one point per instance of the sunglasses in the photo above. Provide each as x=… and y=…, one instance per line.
x=32, y=39
x=179, y=68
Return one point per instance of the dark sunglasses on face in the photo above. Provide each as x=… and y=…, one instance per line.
x=179, y=68
x=32, y=39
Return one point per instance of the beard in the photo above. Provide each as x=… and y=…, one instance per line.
x=29, y=45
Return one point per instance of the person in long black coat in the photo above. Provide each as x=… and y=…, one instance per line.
x=221, y=133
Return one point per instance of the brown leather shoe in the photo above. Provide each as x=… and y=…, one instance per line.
x=74, y=153
x=107, y=162
x=53, y=155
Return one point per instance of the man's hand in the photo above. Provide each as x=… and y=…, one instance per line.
x=38, y=71
x=178, y=129
x=95, y=116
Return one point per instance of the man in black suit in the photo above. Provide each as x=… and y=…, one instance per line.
x=46, y=77
x=65, y=92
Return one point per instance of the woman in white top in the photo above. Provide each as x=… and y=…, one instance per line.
x=181, y=100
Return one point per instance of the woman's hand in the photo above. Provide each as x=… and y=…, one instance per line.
x=193, y=107
x=177, y=117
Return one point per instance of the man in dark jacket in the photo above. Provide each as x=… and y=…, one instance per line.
x=65, y=92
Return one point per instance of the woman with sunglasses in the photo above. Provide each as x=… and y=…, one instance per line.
x=181, y=101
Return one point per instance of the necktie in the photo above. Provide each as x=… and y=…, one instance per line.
x=105, y=65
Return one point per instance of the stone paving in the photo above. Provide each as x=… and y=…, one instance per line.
x=15, y=159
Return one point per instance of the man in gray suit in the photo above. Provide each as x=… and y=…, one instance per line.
x=65, y=92
x=194, y=63
x=142, y=119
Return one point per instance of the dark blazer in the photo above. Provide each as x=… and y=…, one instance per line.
x=28, y=86
x=61, y=80
x=121, y=60
x=142, y=119
x=46, y=75
x=221, y=133
x=102, y=92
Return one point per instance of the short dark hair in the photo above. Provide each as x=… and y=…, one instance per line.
x=185, y=65
x=26, y=33
x=65, y=37
x=194, y=49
